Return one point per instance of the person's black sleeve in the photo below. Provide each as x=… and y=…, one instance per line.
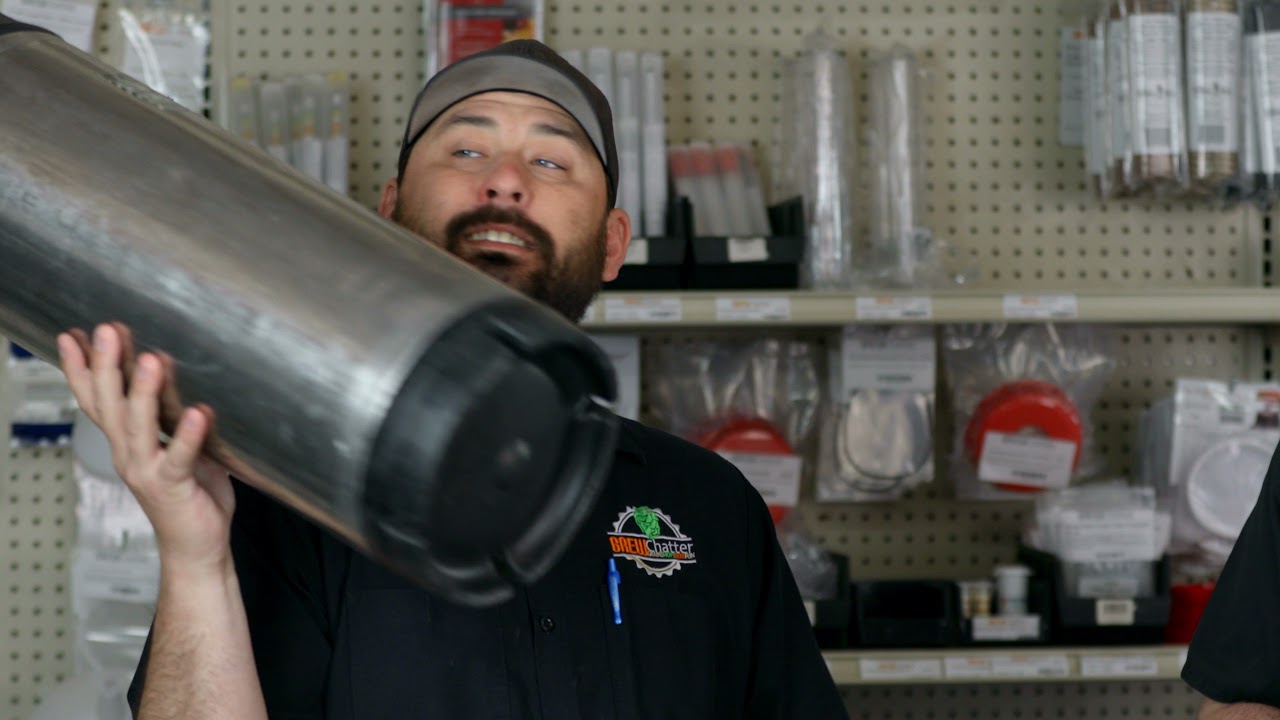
x=281, y=569
x=1235, y=653
x=789, y=678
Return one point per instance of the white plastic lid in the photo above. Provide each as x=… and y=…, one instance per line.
x=1224, y=484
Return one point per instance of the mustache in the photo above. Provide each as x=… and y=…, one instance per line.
x=486, y=215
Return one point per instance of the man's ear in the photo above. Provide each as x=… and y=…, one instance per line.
x=617, y=240
x=390, y=193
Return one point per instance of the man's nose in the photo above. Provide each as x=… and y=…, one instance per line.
x=507, y=184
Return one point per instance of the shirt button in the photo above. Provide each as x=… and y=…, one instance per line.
x=547, y=623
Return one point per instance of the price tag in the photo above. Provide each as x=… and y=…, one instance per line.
x=887, y=363
x=752, y=309
x=643, y=309
x=71, y=20
x=752, y=249
x=1115, y=612
x=637, y=252
x=775, y=477
x=1031, y=666
x=1116, y=666
x=1006, y=627
x=1113, y=535
x=965, y=667
x=1025, y=460
x=1041, y=307
x=929, y=669
x=894, y=308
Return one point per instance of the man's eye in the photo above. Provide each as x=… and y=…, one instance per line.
x=464, y=153
x=547, y=164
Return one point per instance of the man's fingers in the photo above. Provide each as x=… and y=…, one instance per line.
x=184, y=449
x=108, y=392
x=75, y=366
x=143, y=427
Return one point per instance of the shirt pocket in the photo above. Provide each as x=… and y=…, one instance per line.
x=661, y=657
x=412, y=657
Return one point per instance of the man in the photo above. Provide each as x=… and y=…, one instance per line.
x=1234, y=658
x=508, y=162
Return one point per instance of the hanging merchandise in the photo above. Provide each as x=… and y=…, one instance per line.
x=1097, y=119
x=1213, y=49
x=752, y=401
x=653, y=131
x=337, y=143
x=877, y=434
x=1262, y=52
x=1206, y=450
x=1108, y=537
x=71, y=20
x=306, y=96
x=1022, y=396
x=818, y=145
x=166, y=46
x=42, y=406
x=1158, y=130
x=902, y=246
x=456, y=29
x=1120, y=107
x=115, y=574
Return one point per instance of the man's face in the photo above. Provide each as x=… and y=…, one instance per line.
x=510, y=183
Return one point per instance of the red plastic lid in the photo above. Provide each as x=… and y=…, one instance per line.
x=749, y=435
x=1024, y=407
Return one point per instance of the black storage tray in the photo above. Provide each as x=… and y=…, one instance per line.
x=1075, y=620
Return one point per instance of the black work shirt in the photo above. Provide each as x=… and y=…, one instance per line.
x=1235, y=653
x=712, y=623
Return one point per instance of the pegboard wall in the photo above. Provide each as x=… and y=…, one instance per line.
x=1001, y=191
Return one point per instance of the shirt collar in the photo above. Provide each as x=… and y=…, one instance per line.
x=628, y=444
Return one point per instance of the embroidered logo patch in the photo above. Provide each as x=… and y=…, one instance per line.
x=648, y=537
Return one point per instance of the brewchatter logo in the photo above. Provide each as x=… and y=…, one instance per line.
x=648, y=537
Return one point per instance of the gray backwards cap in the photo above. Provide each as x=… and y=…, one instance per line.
x=526, y=66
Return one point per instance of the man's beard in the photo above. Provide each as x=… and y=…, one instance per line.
x=565, y=284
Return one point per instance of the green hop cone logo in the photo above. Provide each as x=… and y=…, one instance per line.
x=648, y=522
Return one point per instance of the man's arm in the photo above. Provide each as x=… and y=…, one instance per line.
x=201, y=659
x=201, y=655
x=1210, y=710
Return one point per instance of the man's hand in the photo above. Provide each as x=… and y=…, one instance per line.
x=1210, y=710
x=188, y=499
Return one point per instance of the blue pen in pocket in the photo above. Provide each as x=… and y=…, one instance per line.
x=615, y=579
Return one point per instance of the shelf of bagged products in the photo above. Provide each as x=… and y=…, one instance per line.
x=657, y=309
x=1013, y=665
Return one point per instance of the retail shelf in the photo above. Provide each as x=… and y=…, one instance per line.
x=1015, y=665
x=653, y=309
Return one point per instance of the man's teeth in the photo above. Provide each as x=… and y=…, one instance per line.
x=497, y=236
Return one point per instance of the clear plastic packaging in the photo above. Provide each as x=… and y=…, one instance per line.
x=337, y=136
x=877, y=435
x=1120, y=102
x=456, y=29
x=902, y=252
x=811, y=566
x=166, y=46
x=1213, y=52
x=1097, y=118
x=1262, y=52
x=1022, y=396
x=1108, y=536
x=753, y=401
x=1205, y=451
x=1158, y=126
x=818, y=139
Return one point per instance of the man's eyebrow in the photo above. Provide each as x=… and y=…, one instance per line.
x=480, y=121
x=557, y=130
